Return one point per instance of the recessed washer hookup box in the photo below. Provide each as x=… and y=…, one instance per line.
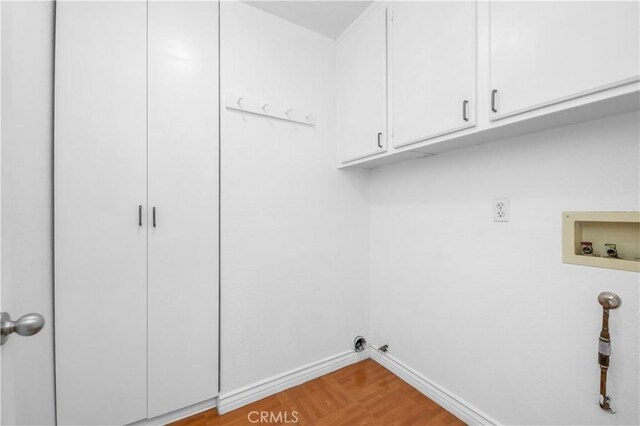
x=602, y=239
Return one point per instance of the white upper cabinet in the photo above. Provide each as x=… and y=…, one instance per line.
x=433, y=58
x=544, y=53
x=362, y=88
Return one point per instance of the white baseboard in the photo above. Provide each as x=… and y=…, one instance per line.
x=262, y=389
x=177, y=414
x=447, y=400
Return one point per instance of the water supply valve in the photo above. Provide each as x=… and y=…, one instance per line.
x=611, y=250
x=587, y=247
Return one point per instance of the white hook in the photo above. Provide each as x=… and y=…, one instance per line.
x=238, y=101
x=288, y=111
x=308, y=117
x=264, y=107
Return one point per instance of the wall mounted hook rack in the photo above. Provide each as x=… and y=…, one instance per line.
x=267, y=109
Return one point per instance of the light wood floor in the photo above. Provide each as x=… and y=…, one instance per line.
x=361, y=394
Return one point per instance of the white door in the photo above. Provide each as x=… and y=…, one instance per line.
x=433, y=69
x=26, y=283
x=362, y=88
x=100, y=146
x=546, y=52
x=183, y=190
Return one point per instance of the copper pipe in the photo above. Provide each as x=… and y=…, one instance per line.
x=604, y=353
x=608, y=301
x=604, y=404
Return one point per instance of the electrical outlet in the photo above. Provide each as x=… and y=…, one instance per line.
x=501, y=210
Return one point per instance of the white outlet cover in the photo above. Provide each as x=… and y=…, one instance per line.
x=501, y=210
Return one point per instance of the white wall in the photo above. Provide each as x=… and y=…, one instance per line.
x=488, y=310
x=27, y=89
x=294, y=235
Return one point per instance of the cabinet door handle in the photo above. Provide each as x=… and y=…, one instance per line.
x=140, y=215
x=379, y=141
x=464, y=110
x=494, y=92
x=153, y=214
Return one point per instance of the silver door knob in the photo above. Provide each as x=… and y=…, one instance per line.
x=26, y=325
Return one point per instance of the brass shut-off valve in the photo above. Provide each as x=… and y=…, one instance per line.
x=608, y=301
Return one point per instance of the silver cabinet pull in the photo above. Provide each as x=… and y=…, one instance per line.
x=154, y=216
x=26, y=325
x=464, y=110
x=140, y=215
x=494, y=92
x=379, y=141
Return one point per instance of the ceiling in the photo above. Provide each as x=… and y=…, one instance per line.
x=330, y=18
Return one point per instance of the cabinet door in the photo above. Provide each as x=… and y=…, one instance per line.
x=183, y=190
x=362, y=88
x=433, y=69
x=543, y=53
x=100, y=182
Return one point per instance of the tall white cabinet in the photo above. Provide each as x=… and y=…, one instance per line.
x=136, y=132
x=183, y=192
x=100, y=154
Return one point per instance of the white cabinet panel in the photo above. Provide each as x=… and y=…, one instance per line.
x=362, y=88
x=433, y=69
x=100, y=180
x=546, y=52
x=183, y=189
